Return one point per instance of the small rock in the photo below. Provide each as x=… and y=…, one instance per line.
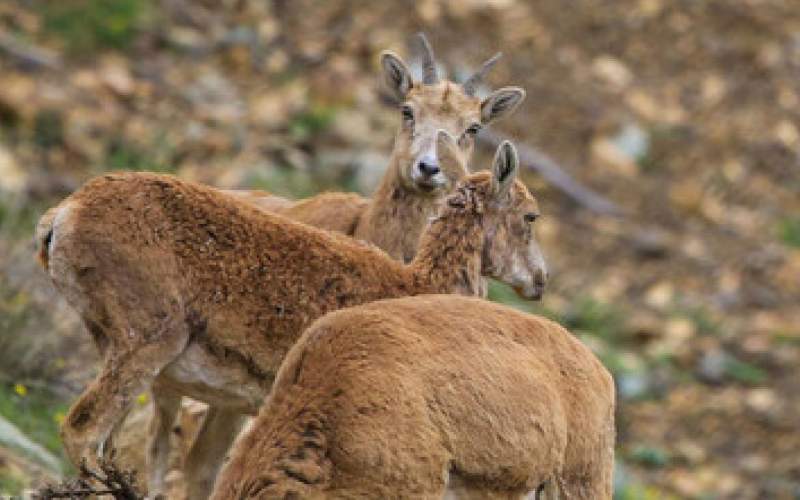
x=652, y=243
x=712, y=366
x=612, y=71
x=659, y=295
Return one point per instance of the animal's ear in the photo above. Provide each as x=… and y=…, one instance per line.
x=449, y=155
x=504, y=169
x=396, y=75
x=500, y=103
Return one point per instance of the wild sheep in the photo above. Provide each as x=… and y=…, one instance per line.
x=392, y=219
x=203, y=294
x=414, y=182
x=430, y=397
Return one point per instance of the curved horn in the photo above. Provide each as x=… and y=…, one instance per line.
x=471, y=85
x=429, y=76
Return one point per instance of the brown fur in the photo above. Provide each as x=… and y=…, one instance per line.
x=207, y=293
x=412, y=397
x=398, y=212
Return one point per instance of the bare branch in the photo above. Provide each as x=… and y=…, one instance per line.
x=545, y=166
x=108, y=480
x=28, y=54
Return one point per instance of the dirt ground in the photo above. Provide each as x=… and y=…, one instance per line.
x=683, y=113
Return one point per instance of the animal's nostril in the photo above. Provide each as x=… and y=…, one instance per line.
x=428, y=169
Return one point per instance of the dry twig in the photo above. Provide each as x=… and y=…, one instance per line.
x=107, y=481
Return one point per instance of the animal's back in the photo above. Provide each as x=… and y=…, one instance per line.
x=415, y=390
x=333, y=211
x=239, y=269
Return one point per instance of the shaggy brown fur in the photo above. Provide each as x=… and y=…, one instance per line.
x=180, y=282
x=393, y=219
x=414, y=397
x=397, y=213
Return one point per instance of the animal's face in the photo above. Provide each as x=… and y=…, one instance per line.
x=426, y=110
x=511, y=253
x=430, y=106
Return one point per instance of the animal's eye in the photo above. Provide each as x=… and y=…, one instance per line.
x=408, y=113
x=530, y=217
x=473, y=129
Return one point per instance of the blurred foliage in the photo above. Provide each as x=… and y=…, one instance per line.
x=789, y=230
x=122, y=154
x=312, y=122
x=85, y=26
x=38, y=413
x=684, y=299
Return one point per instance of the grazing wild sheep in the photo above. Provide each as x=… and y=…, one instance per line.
x=393, y=219
x=427, y=396
x=203, y=294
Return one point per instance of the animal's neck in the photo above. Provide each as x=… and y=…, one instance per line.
x=396, y=216
x=449, y=256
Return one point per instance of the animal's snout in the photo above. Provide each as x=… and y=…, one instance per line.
x=428, y=167
x=540, y=278
x=539, y=284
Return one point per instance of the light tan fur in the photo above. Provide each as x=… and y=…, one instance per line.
x=203, y=294
x=428, y=396
x=392, y=219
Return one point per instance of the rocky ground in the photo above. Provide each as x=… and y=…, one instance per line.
x=684, y=113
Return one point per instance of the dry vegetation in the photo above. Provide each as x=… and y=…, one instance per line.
x=684, y=113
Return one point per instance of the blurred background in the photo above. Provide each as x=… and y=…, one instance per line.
x=683, y=114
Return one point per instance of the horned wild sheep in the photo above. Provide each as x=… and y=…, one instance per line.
x=392, y=219
x=409, y=191
x=203, y=294
x=430, y=397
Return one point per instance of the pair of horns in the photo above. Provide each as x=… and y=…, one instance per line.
x=429, y=76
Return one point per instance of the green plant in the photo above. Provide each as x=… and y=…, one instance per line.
x=789, y=231
x=312, y=121
x=122, y=154
x=37, y=412
x=88, y=25
x=596, y=318
x=744, y=372
x=11, y=484
x=649, y=456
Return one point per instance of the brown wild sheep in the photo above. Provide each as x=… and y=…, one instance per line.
x=424, y=396
x=393, y=219
x=414, y=180
x=203, y=294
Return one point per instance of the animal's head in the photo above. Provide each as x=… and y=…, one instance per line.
x=511, y=253
x=431, y=105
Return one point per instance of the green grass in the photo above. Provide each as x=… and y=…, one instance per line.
x=649, y=456
x=789, y=232
x=311, y=122
x=595, y=318
x=36, y=412
x=124, y=155
x=85, y=26
x=11, y=484
x=746, y=373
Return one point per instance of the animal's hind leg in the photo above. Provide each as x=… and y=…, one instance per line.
x=166, y=405
x=127, y=371
x=220, y=428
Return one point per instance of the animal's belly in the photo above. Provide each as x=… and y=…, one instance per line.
x=198, y=374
